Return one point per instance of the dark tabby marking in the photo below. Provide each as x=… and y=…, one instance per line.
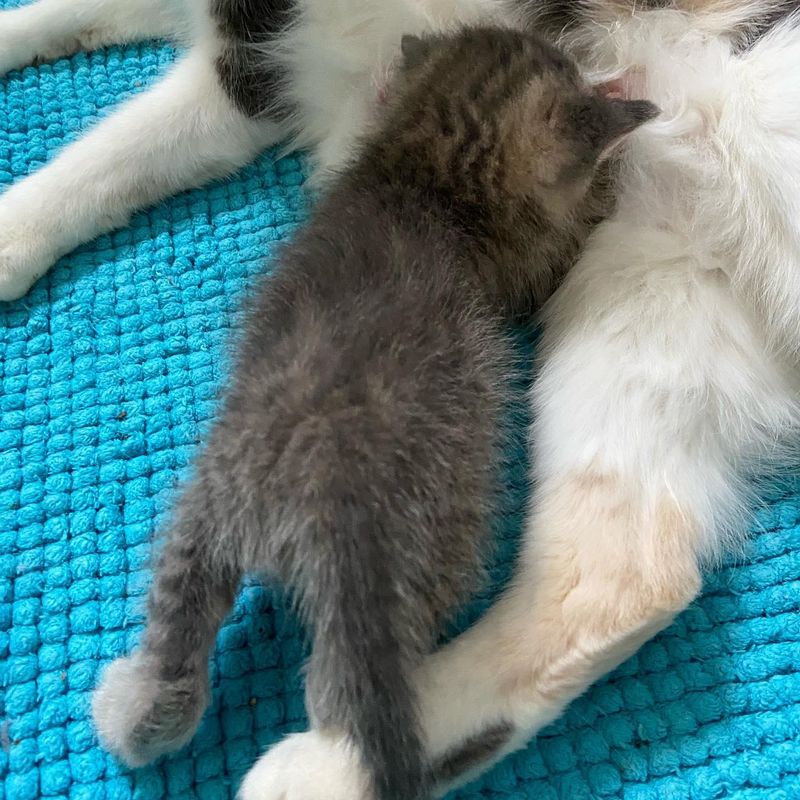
x=354, y=455
x=472, y=753
x=248, y=27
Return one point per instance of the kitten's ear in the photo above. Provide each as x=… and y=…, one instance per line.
x=415, y=50
x=625, y=116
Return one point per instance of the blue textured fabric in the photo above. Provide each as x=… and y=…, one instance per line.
x=108, y=373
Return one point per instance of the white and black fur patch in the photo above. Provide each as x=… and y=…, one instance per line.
x=247, y=28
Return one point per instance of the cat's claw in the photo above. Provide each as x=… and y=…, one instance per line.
x=140, y=717
x=307, y=766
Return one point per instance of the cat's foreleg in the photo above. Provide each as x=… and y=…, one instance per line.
x=182, y=133
x=50, y=29
x=601, y=572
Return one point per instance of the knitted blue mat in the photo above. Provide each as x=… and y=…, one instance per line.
x=109, y=370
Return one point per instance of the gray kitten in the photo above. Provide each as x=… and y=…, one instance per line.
x=353, y=459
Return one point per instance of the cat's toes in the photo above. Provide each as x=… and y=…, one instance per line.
x=15, y=52
x=139, y=717
x=307, y=766
x=28, y=244
x=32, y=235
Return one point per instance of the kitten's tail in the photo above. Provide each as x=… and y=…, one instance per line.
x=359, y=677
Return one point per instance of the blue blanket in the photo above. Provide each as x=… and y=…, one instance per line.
x=109, y=370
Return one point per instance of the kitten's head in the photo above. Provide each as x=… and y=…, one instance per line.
x=502, y=112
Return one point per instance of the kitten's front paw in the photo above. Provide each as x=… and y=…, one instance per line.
x=140, y=717
x=307, y=766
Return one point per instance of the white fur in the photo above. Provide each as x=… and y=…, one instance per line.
x=340, y=53
x=308, y=766
x=53, y=28
x=668, y=377
x=116, y=700
x=691, y=290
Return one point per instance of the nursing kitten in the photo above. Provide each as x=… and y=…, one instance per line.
x=669, y=377
x=353, y=457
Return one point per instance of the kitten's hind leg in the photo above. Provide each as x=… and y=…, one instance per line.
x=182, y=133
x=50, y=29
x=600, y=574
x=150, y=703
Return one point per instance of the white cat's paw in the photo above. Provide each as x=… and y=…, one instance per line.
x=22, y=263
x=15, y=49
x=29, y=245
x=307, y=766
x=24, y=40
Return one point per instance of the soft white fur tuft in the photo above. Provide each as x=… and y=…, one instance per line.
x=127, y=697
x=766, y=174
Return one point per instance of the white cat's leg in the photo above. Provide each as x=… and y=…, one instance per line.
x=182, y=133
x=52, y=28
x=600, y=574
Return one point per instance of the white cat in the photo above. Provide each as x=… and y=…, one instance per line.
x=669, y=361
